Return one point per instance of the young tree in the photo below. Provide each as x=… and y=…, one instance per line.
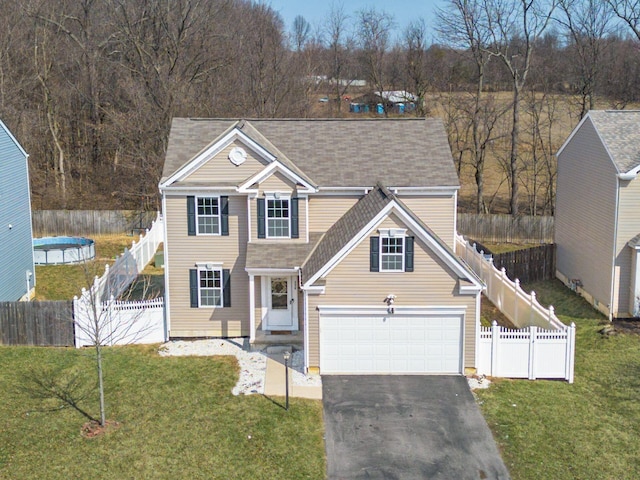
x=415, y=46
x=340, y=46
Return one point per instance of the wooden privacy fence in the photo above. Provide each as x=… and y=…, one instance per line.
x=47, y=323
x=505, y=228
x=515, y=353
x=90, y=222
x=530, y=264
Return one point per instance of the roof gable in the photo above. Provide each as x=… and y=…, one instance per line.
x=358, y=223
x=619, y=132
x=332, y=152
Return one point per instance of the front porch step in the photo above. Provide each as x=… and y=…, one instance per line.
x=279, y=349
x=266, y=340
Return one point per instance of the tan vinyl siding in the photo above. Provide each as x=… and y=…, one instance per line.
x=183, y=251
x=585, y=213
x=324, y=211
x=438, y=213
x=430, y=284
x=628, y=227
x=277, y=183
x=220, y=170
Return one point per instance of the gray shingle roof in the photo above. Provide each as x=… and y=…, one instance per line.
x=279, y=254
x=336, y=152
x=620, y=131
x=343, y=231
x=634, y=242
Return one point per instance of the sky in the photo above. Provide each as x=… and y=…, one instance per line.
x=316, y=11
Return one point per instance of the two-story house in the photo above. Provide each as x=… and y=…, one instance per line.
x=17, y=271
x=333, y=235
x=597, y=220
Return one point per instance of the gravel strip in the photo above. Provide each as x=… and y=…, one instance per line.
x=253, y=365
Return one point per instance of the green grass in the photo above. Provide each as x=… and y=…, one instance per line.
x=62, y=282
x=587, y=430
x=496, y=248
x=178, y=419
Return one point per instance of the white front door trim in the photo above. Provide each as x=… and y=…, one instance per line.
x=279, y=318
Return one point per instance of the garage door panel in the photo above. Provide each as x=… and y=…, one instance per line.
x=390, y=344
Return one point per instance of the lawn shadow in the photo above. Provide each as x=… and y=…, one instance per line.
x=565, y=301
x=281, y=405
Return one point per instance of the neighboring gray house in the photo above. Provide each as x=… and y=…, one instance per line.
x=17, y=272
x=597, y=224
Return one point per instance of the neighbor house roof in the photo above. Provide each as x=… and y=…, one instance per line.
x=334, y=152
x=620, y=132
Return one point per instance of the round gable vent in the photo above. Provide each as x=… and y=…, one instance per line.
x=237, y=155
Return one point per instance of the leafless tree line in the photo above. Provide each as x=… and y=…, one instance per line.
x=90, y=86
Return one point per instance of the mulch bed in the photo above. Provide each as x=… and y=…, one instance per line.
x=93, y=429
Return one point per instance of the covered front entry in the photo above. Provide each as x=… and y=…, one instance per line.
x=279, y=303
x=391, y=343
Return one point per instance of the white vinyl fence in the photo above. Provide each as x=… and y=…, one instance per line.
x=542, y=347
x=99, y=317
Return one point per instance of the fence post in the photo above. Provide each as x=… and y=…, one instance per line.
x=495, y=336
x=533, y=331
x=503, y=274
x=532, y=297
x=571, y=349
x=550, y=316
x=516, y=294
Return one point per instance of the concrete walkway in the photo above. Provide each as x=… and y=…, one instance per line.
x=274, y=382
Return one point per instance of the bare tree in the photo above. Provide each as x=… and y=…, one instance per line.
x=374, y=29
x=587, y=23
x=301, y=32
x=415, y=45
x=339, y=43
x=515, y=27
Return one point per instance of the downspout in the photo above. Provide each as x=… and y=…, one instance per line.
x=615, y=247
x=167, y=310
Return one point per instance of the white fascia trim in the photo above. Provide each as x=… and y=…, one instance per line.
x=212, y=150
x=314, y=289
x=305, y=321
x=206, y=265
x=443, y=254
x=469, y=289
x=177, y=190
x=335, y=310
x=630, y=175
x=272, y=271
x=436, y=191
x=270, y=170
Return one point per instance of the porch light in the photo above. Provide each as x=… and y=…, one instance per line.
x=390, y=300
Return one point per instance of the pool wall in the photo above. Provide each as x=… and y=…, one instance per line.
x=57, y=250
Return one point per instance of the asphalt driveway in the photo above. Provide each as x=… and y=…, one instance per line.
x=405, y=427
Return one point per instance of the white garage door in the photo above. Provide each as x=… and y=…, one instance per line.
x=369, y=344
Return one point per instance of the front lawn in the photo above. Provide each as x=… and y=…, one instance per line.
x=589, y=430
x=178, y=419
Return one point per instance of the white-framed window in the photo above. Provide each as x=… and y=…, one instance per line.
x=208, y=215
x=278, y=216
x=392, y=254
x=209, y=287
x=392, y=249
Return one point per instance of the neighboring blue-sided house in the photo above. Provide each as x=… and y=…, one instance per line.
x=17, y=272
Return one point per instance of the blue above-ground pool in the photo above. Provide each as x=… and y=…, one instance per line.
x=57, y=250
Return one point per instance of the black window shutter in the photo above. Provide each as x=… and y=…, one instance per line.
x=374, y=254
x=226, y=288
x=408, y=254
x=224, y=215
x=191, y=215
x=261, y=218
x=294, y=218
x=193, y=286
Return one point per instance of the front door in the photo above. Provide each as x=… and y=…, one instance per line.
x=282, y=311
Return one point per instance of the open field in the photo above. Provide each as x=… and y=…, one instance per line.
x=178, y=419
x=591, y=429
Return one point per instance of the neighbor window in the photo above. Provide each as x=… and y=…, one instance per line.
x=278, y=218
x=210, y=287
x=392, y=254
x=208, y=216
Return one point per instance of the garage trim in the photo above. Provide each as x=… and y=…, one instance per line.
x=400, y=311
